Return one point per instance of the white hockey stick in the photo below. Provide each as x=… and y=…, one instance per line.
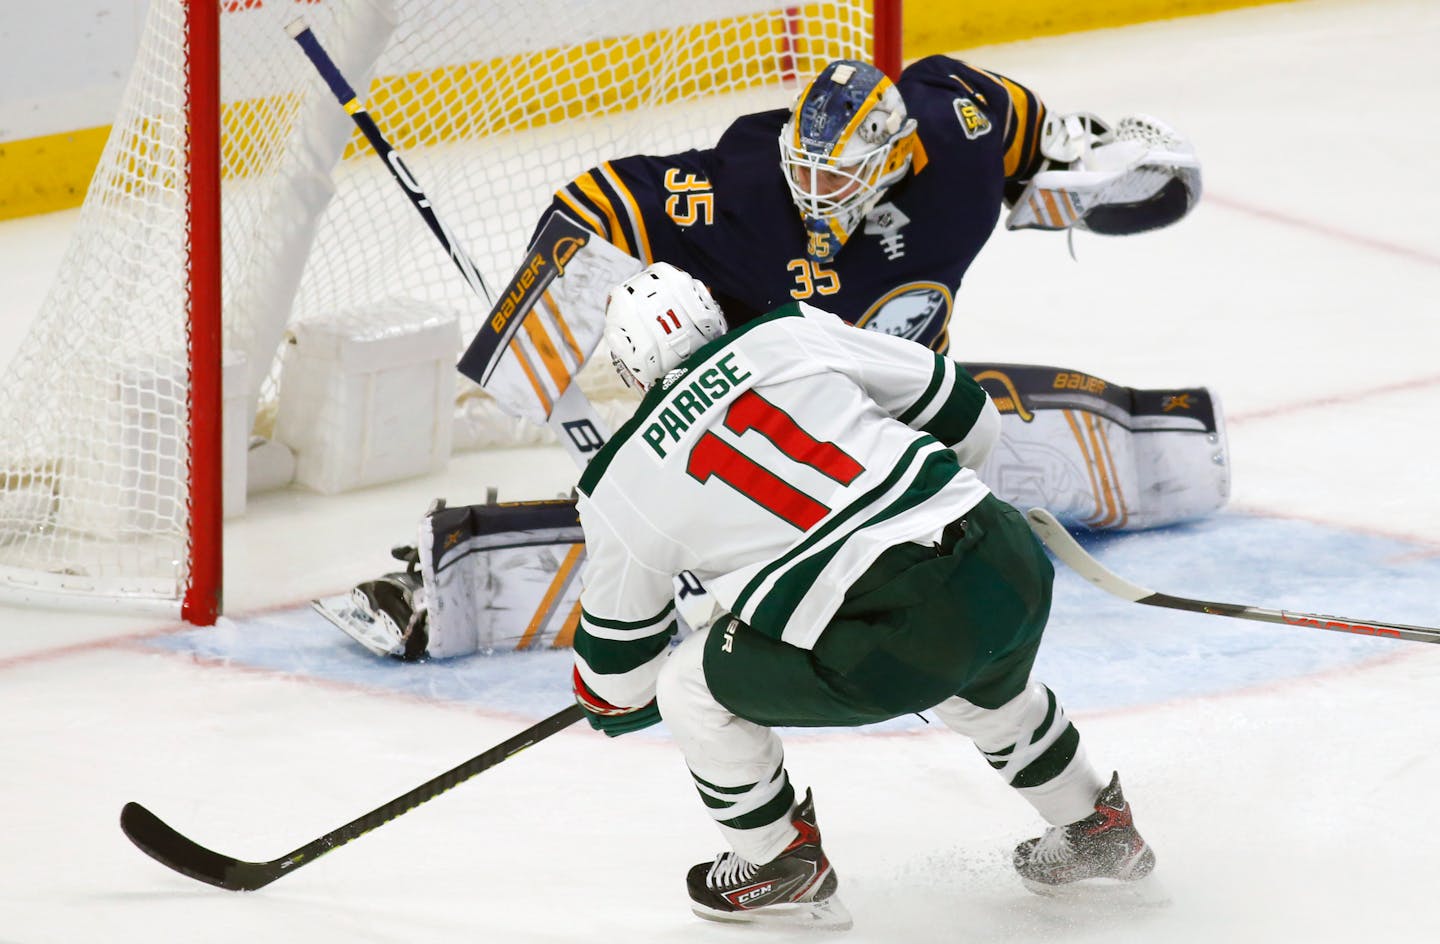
x=1065, y=547
x=573, y=418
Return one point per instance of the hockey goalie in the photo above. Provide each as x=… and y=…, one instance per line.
x=504, y=575
x=897, y=186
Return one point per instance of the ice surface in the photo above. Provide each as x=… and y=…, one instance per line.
x=1286, y=777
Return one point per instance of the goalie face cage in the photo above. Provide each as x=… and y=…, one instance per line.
x=230, y=205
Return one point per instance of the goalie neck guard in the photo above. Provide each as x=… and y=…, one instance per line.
x=656, y=319
x=848, y=140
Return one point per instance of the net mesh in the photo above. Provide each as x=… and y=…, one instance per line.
x=494, y=105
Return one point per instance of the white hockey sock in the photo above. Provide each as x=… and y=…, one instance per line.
x=1031, y=743
x=738, y=766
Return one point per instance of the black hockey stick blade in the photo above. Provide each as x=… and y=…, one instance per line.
x=165, y=845
x=159, y=841
x=1064, y=546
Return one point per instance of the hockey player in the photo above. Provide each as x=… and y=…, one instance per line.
x=897, y=187
x=818, y=480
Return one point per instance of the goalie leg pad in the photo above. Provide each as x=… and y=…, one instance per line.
x=1100, y=455
x=502, y=575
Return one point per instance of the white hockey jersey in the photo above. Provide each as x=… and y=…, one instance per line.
x=776, y=464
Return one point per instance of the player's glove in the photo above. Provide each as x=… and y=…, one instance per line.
x=613, y=720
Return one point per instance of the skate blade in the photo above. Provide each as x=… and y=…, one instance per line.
x=347, y=618
x=827, y=915
x=1146, y=892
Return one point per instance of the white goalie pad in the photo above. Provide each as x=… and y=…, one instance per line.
x=483, y=578
x=1102, y=456
x=1142, y=176
x=548, y=321
x=501, y=576
x=497, y=577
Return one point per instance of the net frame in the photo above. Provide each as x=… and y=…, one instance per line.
x=140, y=474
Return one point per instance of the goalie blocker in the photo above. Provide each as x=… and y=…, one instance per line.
x=505, y=575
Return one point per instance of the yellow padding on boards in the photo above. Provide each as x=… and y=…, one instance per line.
x=43, y=174
x=39, y=175
x=938, y=26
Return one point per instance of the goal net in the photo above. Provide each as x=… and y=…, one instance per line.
x=493, y=104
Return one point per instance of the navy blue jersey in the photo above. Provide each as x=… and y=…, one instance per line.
x=725, y=215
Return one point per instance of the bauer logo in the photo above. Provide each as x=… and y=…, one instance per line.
x=558, y=243
x=972, y=119
x=1084, y=383
x=517, y=292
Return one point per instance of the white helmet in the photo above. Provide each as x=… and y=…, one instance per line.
x=848, y=140
x=655, y=319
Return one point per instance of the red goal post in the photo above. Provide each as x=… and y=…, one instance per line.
x=233, y=201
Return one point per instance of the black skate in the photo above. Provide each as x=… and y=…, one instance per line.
x=796, y=888
x=1104, y=848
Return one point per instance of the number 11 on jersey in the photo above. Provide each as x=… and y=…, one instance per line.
x=712, y=455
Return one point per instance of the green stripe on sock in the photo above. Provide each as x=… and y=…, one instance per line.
x=1049, y=717
x=777, y=809
x=1048, y=765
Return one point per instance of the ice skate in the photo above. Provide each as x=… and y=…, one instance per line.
x=796, y=888
x=1101, y=851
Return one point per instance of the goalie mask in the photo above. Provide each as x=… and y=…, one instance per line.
x=848, y=140
x=656, y=319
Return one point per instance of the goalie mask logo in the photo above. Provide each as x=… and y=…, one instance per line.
x=916, y=311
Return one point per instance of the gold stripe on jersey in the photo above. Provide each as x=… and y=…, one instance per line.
x=590, y=187
x=586, y=217
x=632, y=210
x=552, y=594
x=1022, y=124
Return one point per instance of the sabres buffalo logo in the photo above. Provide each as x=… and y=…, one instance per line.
x=916, y=311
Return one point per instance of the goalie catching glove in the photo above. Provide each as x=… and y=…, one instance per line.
x=1142, y=175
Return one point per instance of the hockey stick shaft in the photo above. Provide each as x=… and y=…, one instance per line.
x=573, y=418
x=1064, y=546
x=167, y=846
x=348, y=100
